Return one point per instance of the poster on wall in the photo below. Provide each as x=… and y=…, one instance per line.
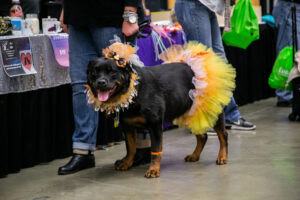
x=60, y=44
x=17, y=56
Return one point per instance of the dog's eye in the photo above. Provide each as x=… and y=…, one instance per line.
x=93, y=74
x=113, y=74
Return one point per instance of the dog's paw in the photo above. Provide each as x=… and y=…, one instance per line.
x=152, y=173
x=122, y=165
x=191, y=158
x=221, y=160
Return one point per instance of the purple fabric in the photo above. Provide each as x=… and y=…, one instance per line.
x=146, y=50
x=60, y=45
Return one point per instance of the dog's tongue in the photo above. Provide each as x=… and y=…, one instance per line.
x=103, y=96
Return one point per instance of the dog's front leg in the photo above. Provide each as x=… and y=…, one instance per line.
x=156, y=151
x=127, y=161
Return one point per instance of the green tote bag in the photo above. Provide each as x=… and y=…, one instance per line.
x=281, y=69
x=244, y=26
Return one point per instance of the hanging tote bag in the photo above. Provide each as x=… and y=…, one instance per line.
x=281, y=69
x=244, y=26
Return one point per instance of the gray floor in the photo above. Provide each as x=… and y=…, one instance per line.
x=263, y=164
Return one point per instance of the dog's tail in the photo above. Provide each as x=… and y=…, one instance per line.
x=213, y=81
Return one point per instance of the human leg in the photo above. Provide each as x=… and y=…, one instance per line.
x=217, y=43
x=233, y=118
x=284, y=98
x=194, y=18
x=232, y=114
x=283, y=21
x=84, y=45
x=231, y=111
x=81, y=50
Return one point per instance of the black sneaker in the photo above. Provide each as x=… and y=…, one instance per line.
x=240, y=124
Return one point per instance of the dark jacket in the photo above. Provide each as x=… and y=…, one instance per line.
x=96, y=13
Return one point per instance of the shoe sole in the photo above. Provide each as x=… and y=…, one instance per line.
x=234, y=127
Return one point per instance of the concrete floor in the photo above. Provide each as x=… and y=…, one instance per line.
x=263, y=164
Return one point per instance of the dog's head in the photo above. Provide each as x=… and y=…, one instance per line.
x=107, y=79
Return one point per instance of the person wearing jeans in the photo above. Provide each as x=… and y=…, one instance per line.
x=283, y=21
x=199, y=22
x=91, y=25
x=85, y=117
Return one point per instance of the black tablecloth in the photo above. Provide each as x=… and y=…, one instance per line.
x=253, y=67
x=37, y=126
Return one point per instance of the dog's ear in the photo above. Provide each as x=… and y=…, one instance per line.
x=130, y=68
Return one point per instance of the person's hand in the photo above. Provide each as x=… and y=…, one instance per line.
x=147, y=12
x=61, y=19
x=129, y=29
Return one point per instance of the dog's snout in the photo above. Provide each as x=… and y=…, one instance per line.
x=102, y=82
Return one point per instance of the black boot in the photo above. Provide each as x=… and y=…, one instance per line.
x=77, y=163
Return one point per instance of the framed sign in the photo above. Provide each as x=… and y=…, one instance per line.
x=17, y=57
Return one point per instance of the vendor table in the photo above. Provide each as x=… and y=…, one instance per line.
x=37, y=123
x=35, y=112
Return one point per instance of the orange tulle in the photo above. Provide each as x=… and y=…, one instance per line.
x=213, y=80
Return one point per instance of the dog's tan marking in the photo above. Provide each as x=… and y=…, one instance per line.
x=222, y=135
x=154, y=169
x=201, y=140
x=127, y=161
x=135, y=120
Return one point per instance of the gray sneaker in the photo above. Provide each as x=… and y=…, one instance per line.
x=240, y=124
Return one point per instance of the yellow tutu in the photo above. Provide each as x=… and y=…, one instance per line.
x=213, y=80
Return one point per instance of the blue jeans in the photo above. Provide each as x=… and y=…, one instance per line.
x=200, y=24
x=283, y=21
x=85, y=44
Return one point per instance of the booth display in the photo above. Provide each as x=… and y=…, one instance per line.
x=36, y=112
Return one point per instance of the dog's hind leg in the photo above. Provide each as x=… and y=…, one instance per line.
x=127, y=161
x=201, y=141
x=156, y=151
x=223, y=136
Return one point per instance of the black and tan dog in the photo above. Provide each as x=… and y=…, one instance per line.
x=146, y=97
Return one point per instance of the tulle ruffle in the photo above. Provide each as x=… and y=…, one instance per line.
x=213, y=81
